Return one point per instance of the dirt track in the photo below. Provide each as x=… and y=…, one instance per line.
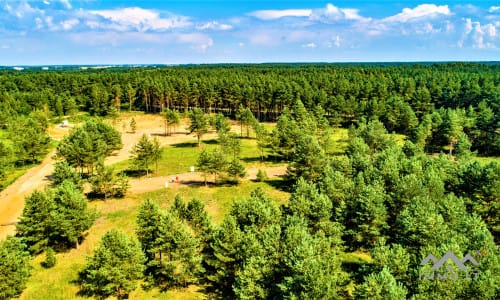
x=143, y=185
x=12, y=198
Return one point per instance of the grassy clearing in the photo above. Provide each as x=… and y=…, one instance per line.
x=338, y=141
x=178, y=158
x=217, y=199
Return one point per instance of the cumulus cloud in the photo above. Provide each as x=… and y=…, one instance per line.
x=333, y=13
x=214, y=25
x=330, y=13
x=22, y=9
x=421, y=11
x=196, y=41
x=494, y=9
x=309, y=45
x=277, y=14
x=139, y=19
x=69, y=24
x=476, y=35
x=335, y=42
x=66, y=4
x=199, y=42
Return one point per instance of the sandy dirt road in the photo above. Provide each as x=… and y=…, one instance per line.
x=12, y=198
x=143, y=185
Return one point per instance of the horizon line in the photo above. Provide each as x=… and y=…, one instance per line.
x=110, y=65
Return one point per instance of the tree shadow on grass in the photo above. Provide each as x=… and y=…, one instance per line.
x=185, y=145
x=195, y=183
x=281, y=183
x=134, y=173
x=158, y=134
x=268, y=158
x=210, y=142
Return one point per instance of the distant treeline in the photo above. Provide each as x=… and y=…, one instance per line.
x=398, y=95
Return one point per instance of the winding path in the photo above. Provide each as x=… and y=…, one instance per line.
x=149, y=184
x=12, y=198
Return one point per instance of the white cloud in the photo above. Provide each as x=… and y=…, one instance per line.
x=333, y=13
x=421, y=11
x=66, y=4
x=140, y=19
x=477, y=36
x=214, y=25
x=49, y=21
x=449, y=27
x=335, y=42
x=491, y=30
x=69, y=24
x=22, y=9
x=494, y=9
x=199, y=42
x=241, y=45
x=277, y=14
x=39, y=23
x=330, y=13
x=309, y=45
x=46, y=2
x=5, y=47
x=196, y=41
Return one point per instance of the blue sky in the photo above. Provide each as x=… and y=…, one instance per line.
x=47, y=32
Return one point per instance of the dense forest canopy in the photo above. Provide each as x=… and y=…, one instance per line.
x=400, y=96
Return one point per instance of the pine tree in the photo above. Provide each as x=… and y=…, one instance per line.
x=308, y=159
x=212, y=162
x=177, y=255
x=263, y=139
x=36, y=220
x=15, y=267
x=221, y=124
x=148, y=226
x=199, y=123
x=310, y=265
x=115, y=267
x=225, y=259
x=380, y=286
x=157, y=152
x=50, y=258
x=56, y=217
x=133, y=125
x=144, y=152
x=246, y=117
x=171, y=120
x=63, y=171
x=85, y=146
x=462, y=148
x=71, y=218
x=306, y=201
